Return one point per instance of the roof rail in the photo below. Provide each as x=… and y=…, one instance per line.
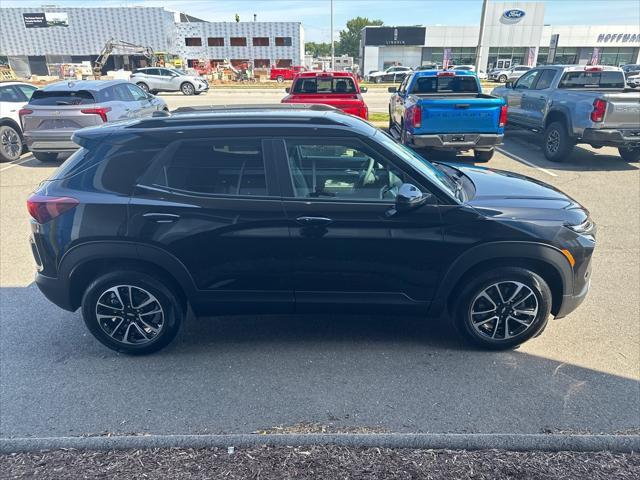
x=264, y=106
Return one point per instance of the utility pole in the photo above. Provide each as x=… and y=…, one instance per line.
x=333, y=52
x=480, y=48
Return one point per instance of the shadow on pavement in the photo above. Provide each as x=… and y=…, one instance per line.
x=241, y=374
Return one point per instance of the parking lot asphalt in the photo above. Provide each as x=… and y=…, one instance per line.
x=243, y=374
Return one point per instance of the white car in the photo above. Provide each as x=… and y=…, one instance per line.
x=391, y=74
x=634, y=80
x=13, y=96
x=471, y=68
x=509, y=74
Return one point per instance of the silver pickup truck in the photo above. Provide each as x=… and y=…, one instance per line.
x=576, y=104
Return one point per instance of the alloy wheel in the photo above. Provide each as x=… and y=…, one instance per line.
x=504, y=310
x=130, y=314
x=10, y=143
x=553, y=141
x=188, y=89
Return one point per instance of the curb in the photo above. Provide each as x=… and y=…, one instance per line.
x=513, y=442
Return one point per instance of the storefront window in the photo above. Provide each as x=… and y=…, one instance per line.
x=543, y=53
x=505, y=57
x=566, y=56
x=616, y=56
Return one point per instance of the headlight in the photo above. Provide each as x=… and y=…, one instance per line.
x=585, y=228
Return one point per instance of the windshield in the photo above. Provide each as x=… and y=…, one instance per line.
x=425, y=167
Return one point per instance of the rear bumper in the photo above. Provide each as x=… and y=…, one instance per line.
x=457, y=141
x=55, y=291
x=50, y=141
x=612, y=137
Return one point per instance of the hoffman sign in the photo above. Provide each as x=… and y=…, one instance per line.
x=619, y=37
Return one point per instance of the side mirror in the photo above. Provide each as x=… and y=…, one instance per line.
x=364, y=89
x=508, y=85
x=409, y=197
x=287, y=89
x=392, y=89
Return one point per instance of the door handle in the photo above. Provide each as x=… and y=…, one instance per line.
x=313, y=221
x=161, y=217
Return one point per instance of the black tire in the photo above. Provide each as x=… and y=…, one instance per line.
x=143, y=86
x=280, y=79
x=558, y=145
x=631, y=154
x=502, y=79
x=11, y=143
x=391, y=125
x=187, y=89
x=483, y=156
x=172, y=312
x=197, y=93
x=46, y=156
x=509, y=278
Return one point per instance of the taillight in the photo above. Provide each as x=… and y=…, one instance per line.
x=414, y=116
x=446, y=74
x=592, y=69
x=22, y=112
x=44, y=208
x=503, y=116
x=599, y=108
x=102, y=111
x=365, y=112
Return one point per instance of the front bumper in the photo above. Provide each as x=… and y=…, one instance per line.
x=572, y=301
x=201, y=87
x=457, y=141
x=612, y=137
x=50, y=141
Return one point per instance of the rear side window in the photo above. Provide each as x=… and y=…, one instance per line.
x=457, y=84
x=324, y=85
x=52, y=97
x=592, y=80
x=212, y=167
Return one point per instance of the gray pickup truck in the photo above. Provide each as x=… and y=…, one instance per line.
x=576, y=104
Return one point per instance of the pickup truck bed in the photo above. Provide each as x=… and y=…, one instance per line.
x=447, y=111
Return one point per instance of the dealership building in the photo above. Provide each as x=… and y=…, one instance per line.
x=515, y=34
x=35, y=41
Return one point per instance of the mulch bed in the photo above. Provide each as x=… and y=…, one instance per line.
x=318, y=462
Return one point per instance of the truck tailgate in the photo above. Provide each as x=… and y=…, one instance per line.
x=349, y=103
x=623, y=110
x=459, y=115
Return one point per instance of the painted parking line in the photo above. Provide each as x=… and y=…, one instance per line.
x=16, y=163
x=517, y=158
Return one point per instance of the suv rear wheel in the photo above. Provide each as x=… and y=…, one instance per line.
x=503, y=308
x=131, y=312
x=502, y=79
x=631, y=154
x=46, y=156
x=187, y=88
x=10, y=143
x=557, y=142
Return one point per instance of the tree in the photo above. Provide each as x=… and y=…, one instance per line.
x=237, y=18
x=349, y=43
x=317, y=49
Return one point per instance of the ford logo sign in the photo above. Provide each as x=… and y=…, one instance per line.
x=513, y=14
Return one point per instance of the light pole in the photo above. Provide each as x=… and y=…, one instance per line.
x=333, y=52
x=480, y=48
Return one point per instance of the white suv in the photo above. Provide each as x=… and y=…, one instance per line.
x=13, y=96
x=157, y=79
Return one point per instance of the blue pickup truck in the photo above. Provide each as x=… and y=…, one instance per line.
x=446, y=110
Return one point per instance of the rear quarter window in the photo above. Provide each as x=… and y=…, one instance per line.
x=53, y=97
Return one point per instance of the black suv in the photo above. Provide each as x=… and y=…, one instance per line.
x=296, y=209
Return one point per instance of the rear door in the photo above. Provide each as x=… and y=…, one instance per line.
x=213, y=202
x=346, y=248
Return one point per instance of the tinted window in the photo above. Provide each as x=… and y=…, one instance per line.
x=220, y=167
x=123, y=166
x=27, y=90
x=453, y=84
x=9, y=94
x=53, y=97
x=592, y=80
x=135, y=92
x=546, y=77
x=151, y=71
x=340, y=169
x=324, y=85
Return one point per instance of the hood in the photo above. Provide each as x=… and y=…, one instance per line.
x=509, y=195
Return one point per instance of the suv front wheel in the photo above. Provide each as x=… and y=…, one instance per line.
x=502, y=308
x=131, y=312
x=187, y=88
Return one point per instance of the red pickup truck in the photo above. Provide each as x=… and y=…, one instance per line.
x=338, y=89
x=282, y=74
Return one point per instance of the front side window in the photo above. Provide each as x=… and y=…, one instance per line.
x=212, y=167
x=324, y=85
x=136, y=92
x=27, y=90
x=527, y=80
x=9, y=94
x=341, y=169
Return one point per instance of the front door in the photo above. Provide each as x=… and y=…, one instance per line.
x=515, y=97
x=211, y=203
x=348, y=250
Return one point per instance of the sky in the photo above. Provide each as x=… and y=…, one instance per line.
x=316, y=20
